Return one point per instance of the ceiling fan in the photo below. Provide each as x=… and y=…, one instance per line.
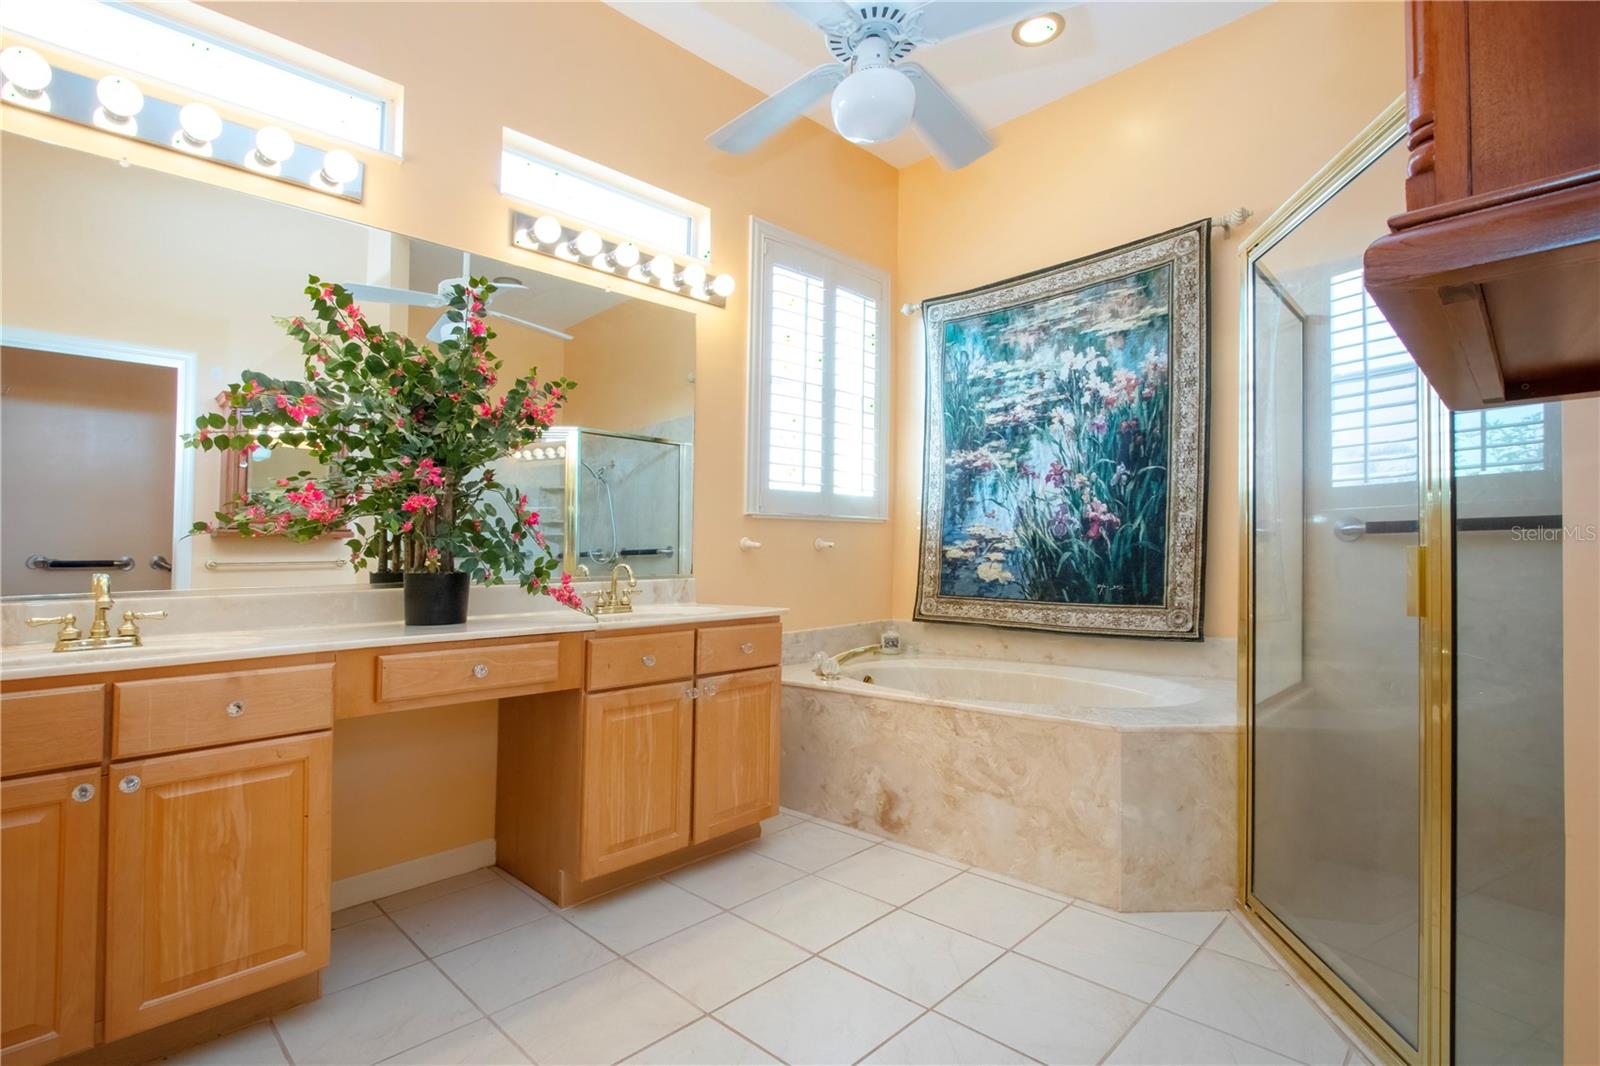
x=875, y=94
x=443, y=329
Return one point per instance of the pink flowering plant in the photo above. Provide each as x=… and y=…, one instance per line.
x=407, y=433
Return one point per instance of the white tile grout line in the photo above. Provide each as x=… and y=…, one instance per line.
x=561, y=913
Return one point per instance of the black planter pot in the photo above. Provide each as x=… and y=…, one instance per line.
x=436, y=599
x=387, y=577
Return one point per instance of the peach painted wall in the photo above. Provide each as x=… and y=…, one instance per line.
x=1241, y=116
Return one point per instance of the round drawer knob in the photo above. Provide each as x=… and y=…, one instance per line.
x=748, y=648
x=480, y=671
x=83, y=793
x=129, y=784
x=649, y=660
x=236, y=709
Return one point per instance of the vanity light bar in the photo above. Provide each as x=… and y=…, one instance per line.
x=549, y=235
x=115, y=104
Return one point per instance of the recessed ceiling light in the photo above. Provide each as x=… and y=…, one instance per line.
x=1040, y=29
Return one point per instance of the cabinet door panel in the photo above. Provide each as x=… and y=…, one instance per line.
x=736, y=751
x=49, y=903
x=637, y=762
x=218, y=866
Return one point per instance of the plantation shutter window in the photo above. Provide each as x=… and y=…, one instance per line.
x=1376, y=391
x=817, y=426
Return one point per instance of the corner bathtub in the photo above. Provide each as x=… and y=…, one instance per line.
x=1118, y=788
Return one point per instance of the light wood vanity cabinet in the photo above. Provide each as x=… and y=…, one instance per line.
x=661, y=759
x=167, y=831
x=736, y=751
x=217, y=876
x=50, y=896
x=638, y=762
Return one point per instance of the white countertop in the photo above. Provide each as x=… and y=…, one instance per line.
x=176, y=648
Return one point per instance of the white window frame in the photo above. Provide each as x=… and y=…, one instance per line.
x=769, y=245
x=513, y=143
x=229, y=37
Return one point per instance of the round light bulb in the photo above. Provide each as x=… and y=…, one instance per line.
x=694, y=276
x=25, y=70
x=873, y=105
x=587, y=243
x=199, y=124
x=120, y=98
x=626, y=255
x=662, y=268
x=722, y=285
x=547, y=229
x=273, y=146
x=339, y=166
x=1040, y=29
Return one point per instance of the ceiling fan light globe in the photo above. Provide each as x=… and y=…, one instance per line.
x=873, y=105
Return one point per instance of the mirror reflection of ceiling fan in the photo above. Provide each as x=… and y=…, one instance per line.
x=876, y=95
x=443, y=328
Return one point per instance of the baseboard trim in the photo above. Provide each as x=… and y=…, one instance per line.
x=413, y=873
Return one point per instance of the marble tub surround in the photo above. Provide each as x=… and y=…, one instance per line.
x=215, y=624
x=1214, y=657
x=1130, y=808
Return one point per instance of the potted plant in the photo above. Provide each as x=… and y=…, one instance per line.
x=408, y=434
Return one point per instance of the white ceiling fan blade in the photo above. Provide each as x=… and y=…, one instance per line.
x=378, y=294
x=944, y=124
x=443, y=328
x=531, y=325
x=824, y=14
x=941, y=20
x=778, y=110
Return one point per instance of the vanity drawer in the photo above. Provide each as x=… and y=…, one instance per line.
x=52, y=729
x=173, y=713
x=727, y=648
x=640, y=660
x=488, y=668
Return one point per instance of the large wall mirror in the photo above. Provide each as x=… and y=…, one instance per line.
x=133, y=297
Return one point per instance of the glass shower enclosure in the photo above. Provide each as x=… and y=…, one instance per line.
x=1401, y=649
x=606, y=498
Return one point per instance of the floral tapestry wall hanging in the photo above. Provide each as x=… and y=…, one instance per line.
x=1065, y=465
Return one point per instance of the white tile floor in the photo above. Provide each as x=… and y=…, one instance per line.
x=814, y=944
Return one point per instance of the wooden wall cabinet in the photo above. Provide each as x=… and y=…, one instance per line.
x=217, y=877
x=50, y=898
x=1491, y=277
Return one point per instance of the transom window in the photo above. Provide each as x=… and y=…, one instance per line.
x=141, y=42
x=1376, y=390
x=818, y=431
x=578, y=189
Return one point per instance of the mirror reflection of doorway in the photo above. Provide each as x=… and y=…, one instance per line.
x=105, y=434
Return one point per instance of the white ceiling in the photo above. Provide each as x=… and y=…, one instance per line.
x=767, y=46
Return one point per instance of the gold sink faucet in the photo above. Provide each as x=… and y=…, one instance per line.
x=70, y=638
x=613, y=600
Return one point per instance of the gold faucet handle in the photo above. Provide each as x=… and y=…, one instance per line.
x=131, y=620
x=67, y=622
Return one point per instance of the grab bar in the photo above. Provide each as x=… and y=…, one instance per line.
x=275, y=564
x=44, y=562
x=629, y=553
x=1354, y=528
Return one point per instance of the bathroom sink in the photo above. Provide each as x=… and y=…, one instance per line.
x=665, y=612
